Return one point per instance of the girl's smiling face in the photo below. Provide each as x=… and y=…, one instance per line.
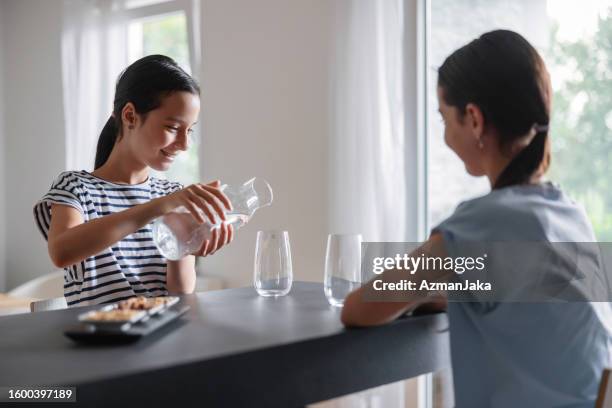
x=161, y=134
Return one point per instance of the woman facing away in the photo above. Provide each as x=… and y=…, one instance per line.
x=494, y=96
x=97, y=224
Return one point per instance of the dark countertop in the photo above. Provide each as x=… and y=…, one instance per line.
x=233, y=347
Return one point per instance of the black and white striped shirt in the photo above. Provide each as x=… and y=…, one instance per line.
x=132, y=266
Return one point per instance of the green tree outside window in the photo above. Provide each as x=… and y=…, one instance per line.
x=582, y=123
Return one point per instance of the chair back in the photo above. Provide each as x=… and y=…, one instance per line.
x=47, y=286
x=48, y=304
x=604, y=396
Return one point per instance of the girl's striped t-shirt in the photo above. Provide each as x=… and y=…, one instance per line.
x=130, y=267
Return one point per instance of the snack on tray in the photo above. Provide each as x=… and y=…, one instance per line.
x=162, y=300
x=118, y=315
x=143, y=303
x=135, y=303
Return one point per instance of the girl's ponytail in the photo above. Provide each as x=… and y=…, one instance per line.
x=106, y=141
x=144, y=84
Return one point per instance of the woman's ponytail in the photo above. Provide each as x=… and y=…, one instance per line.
x=527, y=163
x=106, y=141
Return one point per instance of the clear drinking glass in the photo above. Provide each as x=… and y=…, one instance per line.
x=273, y=273
x=342, y=267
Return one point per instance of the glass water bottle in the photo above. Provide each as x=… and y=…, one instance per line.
x=178, y=233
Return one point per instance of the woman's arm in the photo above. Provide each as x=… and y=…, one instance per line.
x=357, y=312
x=71, y=240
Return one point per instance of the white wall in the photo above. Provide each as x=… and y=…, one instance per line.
x=2, y=160
x=34, y=142
x=265, y=104
x=264, y=100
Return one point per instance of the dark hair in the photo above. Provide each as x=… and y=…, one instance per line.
x=506, y=78
x=144, y=83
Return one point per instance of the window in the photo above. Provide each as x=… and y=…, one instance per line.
x=573, y=38
x=130, y=4
x=166, y=34
x=163, y=27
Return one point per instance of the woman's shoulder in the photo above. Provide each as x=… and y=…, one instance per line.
x=528, y=212
x=519, y=199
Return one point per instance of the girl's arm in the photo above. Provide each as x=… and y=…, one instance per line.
x=71, y=240
x=181, y=277
x=357, y=312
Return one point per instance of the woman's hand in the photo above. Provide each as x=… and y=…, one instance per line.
x=199, y=200
x=219, y=238
x=357, y=312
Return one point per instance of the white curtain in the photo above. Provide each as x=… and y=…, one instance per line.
x=367, y=167
x=94, y=38
x=368, y=180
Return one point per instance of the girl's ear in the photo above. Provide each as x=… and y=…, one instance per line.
x=128, y=115
x=474, y=119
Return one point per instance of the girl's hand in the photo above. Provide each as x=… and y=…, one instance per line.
x=198, y=199
x=220, y=237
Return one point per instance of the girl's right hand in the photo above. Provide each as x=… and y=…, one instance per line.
x=198, y=199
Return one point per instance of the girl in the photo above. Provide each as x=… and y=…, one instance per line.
x=96, y=224
x=494, y=96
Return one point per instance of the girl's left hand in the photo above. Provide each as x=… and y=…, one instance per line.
x=219, y=238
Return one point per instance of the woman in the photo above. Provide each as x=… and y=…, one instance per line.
x=96, y=224
x=494, y=96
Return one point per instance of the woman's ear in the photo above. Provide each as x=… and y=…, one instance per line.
x=128, y=115
x=474, y=120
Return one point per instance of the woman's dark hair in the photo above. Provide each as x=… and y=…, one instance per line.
x=504, y=76
x=144, y=83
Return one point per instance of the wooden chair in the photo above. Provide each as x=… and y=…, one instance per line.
x=604, y=396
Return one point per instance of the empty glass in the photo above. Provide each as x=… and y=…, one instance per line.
x=342, y=267
x=273, y=273
x=178, y=233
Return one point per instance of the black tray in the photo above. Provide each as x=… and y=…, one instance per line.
x=85, y=332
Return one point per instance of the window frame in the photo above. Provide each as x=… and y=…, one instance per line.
x=417, y=19
x=191, y=8
x=416, y=26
